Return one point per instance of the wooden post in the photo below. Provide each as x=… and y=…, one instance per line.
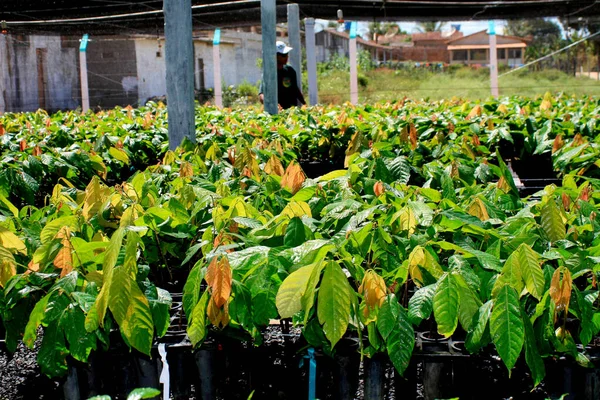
x=85, y=94
x=295, y=42
x=179, y=52
x=493, y=59
x=217, y=68
x=311, y=61
x=269, y=53
x=353, y=65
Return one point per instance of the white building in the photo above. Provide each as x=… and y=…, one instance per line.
x=43, y=71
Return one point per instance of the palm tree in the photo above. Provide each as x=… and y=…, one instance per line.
x=430, y=26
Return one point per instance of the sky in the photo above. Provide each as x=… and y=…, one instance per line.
x=467, y=27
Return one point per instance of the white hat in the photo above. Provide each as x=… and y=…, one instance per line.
x=283, y=48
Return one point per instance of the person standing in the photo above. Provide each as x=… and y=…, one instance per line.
x=288, y=92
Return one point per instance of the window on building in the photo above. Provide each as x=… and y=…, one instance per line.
x=478, y=55
x=459, y=55
x=501, y=54
x=514, y=53
x=200, y=85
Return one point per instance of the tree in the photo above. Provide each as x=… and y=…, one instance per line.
x=430, y=26
x=377, y=29
x=545, y=35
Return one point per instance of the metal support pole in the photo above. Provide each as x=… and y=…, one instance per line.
x=353, y=65
x=217, y=68
x=85, y=94
x=268, y=14
x=493, y=59
x=179, y=51
x=311, y=61
x=294, y=37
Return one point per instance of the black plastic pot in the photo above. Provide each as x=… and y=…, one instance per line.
x=374, y=376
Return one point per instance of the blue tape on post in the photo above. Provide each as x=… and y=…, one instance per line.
x=217, y=37
x=491, y=28
x=84, y=42
x=353, y=30
x=312, y=375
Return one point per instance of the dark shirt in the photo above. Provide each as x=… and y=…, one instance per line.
x=287, y=87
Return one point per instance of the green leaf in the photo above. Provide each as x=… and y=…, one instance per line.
x=333, y=308
x=289, y=296
x=192, y=288
x=532, y=354
x=469, y=302
x=119, y=155
x=393, y=323
x=475, y=336
x=52, y=356
x=294, y=233
x=138, y=327
x=81, y=343
x=552, y=222
x=197, y=326
x=387, y=318
x=110, y=260
x=143, y=393
x=530, y=268
x=420, y=304
x=51, y=229
x=445, y=305
x=506, y=326
x=399, y=167
x=511, y=275
x=35, y=319
x=308, y=298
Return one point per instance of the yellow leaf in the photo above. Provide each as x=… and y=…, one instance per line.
x=119, y=155
x=11, y=241
x=546, y=105
x=354, y=146
x=297, y=209
x=373, y=289
x=478, y=209
x=416, y=259
x=293, y=177
x=95, y=195
x=219, y=279
x=502, y=108
x=8, y=269
x=503, y=185
x=274, y=167
x=407, y=220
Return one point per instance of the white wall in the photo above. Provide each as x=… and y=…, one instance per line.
x=239, y=53
x=19, y=73
x=150, y=69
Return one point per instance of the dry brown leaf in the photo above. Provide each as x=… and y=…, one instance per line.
x=64, y=258
x=475, y=112
x=219, y=279
x=186, y=170
x=293, y=177
x=578, y=140
x=23, y=145
x=413, y=136
x=566, y=200
x=558, y=143
x=274, y=167
x=2, y=130
x=378, y=188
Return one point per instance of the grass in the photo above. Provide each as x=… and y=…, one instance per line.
x=386, y=85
